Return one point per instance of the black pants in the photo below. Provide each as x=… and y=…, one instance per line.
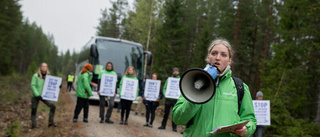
x=151, y=107
x=81, y=103
x=103, y=105
x=34, y=107
x=69, y=86
x=125, y=108
x=168, y=105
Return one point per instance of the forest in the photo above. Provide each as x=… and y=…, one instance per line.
x=276, y=42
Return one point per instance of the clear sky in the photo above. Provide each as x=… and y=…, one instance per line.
x=71, y=22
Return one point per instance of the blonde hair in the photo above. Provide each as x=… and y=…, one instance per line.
x=224, y=43
x=127, y=71
x=39, y=71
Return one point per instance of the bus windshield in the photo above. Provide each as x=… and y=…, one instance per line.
x=121, y=54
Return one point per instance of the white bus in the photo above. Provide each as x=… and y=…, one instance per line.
x=100, y=50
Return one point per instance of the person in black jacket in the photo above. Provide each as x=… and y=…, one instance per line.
x=151, y=106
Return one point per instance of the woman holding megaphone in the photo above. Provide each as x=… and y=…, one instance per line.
x=222, y=109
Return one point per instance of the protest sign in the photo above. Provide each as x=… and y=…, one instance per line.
x=152, y=89
x=129, y=89
x=51, y=88
x=262, y=111
x=173, y=89
x=108, y=85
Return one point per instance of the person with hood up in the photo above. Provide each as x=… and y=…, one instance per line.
x=83, y=92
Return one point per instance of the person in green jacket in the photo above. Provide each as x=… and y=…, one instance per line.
x=222, y=109
x=108, y=70
x=83, y=92
x=169, y=103
x=37, y=84
x=126, y=104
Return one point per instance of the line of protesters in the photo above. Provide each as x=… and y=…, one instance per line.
x=84, y=91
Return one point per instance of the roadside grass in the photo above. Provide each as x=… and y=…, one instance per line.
x=15, y=111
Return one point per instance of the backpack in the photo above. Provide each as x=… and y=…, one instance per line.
x=240, y=92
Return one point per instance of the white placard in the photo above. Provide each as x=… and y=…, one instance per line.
x=173, y=89
x=152, y=89
x=51, y=88
x=108, y=85
x=129, y=89
x=262, y=111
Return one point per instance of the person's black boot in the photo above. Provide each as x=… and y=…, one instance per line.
x=109, y=121
x=174, y=129
x=52, y=124
x=161, y=127
x=74, y=120
x=101, y=121
x=126, y=122
x=85, y=120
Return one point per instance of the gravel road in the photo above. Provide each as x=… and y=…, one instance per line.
x=134, y=128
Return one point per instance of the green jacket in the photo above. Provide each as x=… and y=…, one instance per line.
x=221, y=110
x=36, y=85
x=120, y=85
x=165, y=88
x=107, y=72
x=83, y=85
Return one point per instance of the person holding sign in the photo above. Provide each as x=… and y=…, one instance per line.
x=152, y=97
x=110, y=82
x=128, y=91
x=222, y=109
x=37, y=84
x=170, y=102
x=83, y=92
x=259, y=128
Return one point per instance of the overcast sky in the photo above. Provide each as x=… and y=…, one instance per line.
x=71, y=22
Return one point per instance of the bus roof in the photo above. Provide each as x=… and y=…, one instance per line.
x=117, y=40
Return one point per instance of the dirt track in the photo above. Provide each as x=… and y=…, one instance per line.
x=134, y=128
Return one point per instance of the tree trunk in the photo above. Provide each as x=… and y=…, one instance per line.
x=148, y=40
x=318, y=112
x=236, y=34
x=267, y=39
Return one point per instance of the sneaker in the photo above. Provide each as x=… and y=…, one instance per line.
x=126, y=122
x=136, y=113
x=52, y=124
x=74, y=120
x=121, y=122
x=161, y=127
x=101, y=121
x=109, y=121
x=150, y=126
x=85, y=120
x=174, y=129
x=146, y=125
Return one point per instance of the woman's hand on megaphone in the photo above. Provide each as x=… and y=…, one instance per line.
x=211, y=70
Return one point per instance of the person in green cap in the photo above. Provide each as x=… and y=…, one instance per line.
x=222, y=109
